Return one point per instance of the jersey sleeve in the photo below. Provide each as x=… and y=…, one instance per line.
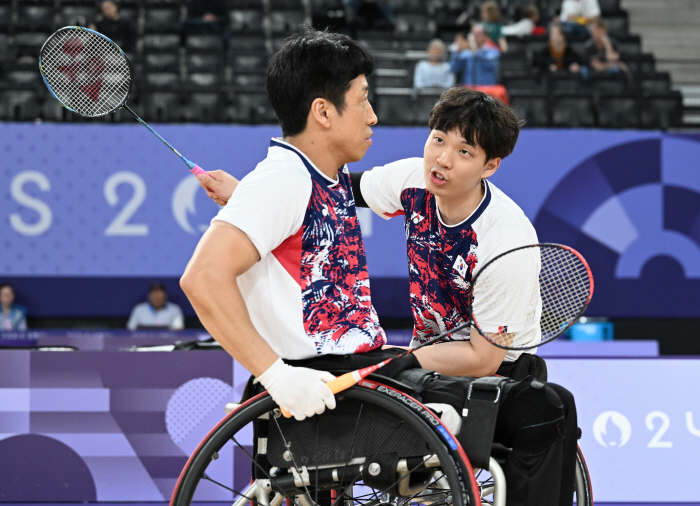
x=269, y=206
x=382, y=186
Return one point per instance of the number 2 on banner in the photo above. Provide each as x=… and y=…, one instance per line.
x=120, y=225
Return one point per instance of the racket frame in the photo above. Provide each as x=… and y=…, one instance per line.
x=475, y=323
x=110, y=41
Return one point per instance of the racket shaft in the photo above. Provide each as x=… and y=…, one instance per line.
x=347, y=380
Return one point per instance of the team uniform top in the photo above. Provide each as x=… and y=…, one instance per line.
x=309, y=293
x=443, y=260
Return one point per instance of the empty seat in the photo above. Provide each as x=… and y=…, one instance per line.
x=257, y=106
x=641, y=65
x=161, y=107
x=209, y=81
x=166, y=20
x=657, y=84
x=424, y=103
x=19, y=105
x=205, y=43
x=628, y=45
x=610, y=83
x=395, y=107
x=161, y=42
x=249, y=82
x=246, y=21
x=241, y=61
x=514, y=63
x=565, y=82
x=5, y=18
x=525, y=83
x=77, y=15
x=661, y=111
x=572, y=111
x=23, y=78
x=203, y=108
x=530, y=107
x=609, y=7
x=35, y=17
x=52, y=110
x=28, y=44
x=414, y=24
x=393, y=78
x=244, y=44
x=161, y=81
x=618, y=25
x=617, y=112
x=155, y=62
x=283, y=22
x=203, y=62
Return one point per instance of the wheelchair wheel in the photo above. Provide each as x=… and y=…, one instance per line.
x=584, y=491
x=378, y=447
x=492, y=491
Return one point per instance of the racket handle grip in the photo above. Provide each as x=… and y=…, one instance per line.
x=337, y=385
x=197, y=170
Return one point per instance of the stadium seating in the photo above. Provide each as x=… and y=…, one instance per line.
x=181, y=73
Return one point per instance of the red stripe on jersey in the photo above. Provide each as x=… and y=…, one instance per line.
x=394, y=214
x=289, y=255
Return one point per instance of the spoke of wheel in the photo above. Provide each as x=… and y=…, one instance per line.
x=291, y=454
x=252, y=459
x=349, y=457
x=205, y=477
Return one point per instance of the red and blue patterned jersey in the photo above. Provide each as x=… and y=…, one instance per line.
x=310, y=292
x=443, y=260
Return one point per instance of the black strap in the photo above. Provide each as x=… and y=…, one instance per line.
x=355, y=178
x=479, y=418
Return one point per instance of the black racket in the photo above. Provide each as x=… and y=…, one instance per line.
x=559, y=283
x=91, y=76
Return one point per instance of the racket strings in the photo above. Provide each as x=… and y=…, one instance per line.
x=565, y=287
x=87, y=73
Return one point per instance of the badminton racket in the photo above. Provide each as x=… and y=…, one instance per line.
x=90, y=75
x=521, y=299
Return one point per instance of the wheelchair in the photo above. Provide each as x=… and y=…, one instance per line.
x=378, y=447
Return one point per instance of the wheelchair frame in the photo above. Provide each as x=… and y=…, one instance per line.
x=450, y=478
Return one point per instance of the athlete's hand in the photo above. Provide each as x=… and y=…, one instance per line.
x=301, y=391
x=219, y=185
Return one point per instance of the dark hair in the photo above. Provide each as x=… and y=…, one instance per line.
x=310, y=65
x=3, y=285
x=157, y=286
x=482, y=120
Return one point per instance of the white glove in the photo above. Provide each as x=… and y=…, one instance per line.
x=299, y=390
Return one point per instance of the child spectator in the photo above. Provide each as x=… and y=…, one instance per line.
x=435, y=71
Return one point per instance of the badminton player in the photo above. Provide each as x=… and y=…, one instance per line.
x=455, y=220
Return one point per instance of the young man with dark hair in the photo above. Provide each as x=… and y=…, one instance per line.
x=456, y=221
x=281, y=272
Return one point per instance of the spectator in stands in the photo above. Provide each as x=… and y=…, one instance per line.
x=527, y=24
x=435, y=71
x=491, y=21
x=111, y=24
x=206, y=16
x=558, y=56
x=378, y=14
x=475, y=59
x=157, y=312
x=601, y=51
x=577, y=15
x=12, y=316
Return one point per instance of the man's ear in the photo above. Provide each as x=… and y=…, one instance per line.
x=319, y=112
x=491, y=167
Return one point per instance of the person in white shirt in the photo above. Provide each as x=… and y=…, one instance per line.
x=576, y=16
x=157, y=312
x=435, y=71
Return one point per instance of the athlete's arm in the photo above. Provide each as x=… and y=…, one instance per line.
x=223, y=254
x=476, y=357
x=355, y=178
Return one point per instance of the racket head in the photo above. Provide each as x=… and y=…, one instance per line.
x=560, y=284
x=87, y=72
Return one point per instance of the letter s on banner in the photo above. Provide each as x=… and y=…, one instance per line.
x=41, y=208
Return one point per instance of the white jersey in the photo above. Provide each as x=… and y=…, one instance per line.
x=309, y=293
x=444, y=259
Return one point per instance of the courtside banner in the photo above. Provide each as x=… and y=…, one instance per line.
x=640, y=420
x=95, y=200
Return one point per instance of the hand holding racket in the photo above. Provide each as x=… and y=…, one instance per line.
x=548, y=285
x=91, y=76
